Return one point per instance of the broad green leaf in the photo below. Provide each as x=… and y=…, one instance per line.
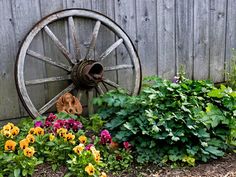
x=17, y=172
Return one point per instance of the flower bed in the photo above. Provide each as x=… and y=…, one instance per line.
x=59, y=140
x=176, y=124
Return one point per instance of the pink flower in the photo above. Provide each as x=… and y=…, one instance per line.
x=127, y=145
x=38, y=124
x=51, y=117
x=105, y=137
x=58, y=124
x=89, y=146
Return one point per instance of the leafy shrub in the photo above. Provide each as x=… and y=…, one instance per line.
x=180, y=122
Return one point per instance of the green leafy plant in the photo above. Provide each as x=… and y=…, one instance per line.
x=176, y=123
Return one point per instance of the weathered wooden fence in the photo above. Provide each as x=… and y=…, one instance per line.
x=197, y=34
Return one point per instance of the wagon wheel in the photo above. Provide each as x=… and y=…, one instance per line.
x=83, y=72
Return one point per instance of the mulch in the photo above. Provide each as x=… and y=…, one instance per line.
x=224, y=167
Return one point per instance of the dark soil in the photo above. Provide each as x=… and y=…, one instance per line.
x=224, y=167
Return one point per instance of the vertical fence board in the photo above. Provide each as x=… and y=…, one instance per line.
x=125, y=16
x=231, y=31
x=184, y=36
x=25, y=15
x=201, y=39
x=166, y=38
x=147, y=47
x=217, y=39
x=8, y=96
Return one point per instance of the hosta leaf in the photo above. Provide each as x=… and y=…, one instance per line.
x=214, y=150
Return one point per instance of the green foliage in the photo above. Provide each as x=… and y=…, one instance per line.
x=173, y=123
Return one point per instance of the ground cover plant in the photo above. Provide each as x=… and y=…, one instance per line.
x=174, y=123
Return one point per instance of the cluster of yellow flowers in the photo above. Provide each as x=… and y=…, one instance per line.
x=96, y=154
x=10, y=130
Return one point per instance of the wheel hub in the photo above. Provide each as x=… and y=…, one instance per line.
x=87, y=74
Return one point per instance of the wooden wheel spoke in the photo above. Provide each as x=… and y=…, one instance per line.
x=54, y=100
x=99, y=90
x=105, y=86
x=59, y=45
x=46, y=80
x=118, y=67
x=111, y=83
x=93, y=40
x=48, y=60
x=75, y=38
x=110, y=49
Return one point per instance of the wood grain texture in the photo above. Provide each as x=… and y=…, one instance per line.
x=201, y=39
x=125, y=16
x=146, y=35
x=217, y=39
x=184, y=36
x=230, y=31
x=9, y=107
x=166, y=38
x=34, y=69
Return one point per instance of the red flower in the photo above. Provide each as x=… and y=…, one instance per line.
x=127, y=145
x=51, y=117
x=105, y=137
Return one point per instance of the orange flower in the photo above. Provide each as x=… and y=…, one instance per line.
x=78, y=149
x=10, y=145
x=62, y=132
x=38, y=131
x=24, y=143
x=83, y=139
x=15, y=131
x=90, y=169
x=69, y=137
x=29, y=151
x=30, y=138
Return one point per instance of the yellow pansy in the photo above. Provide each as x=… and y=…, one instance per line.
x=10, y=145
x=78, y=149
x=15, y=131
x=29, y=151
x=38, y=131
x=30, y=138
x=90, y=169
x=51, y=137
x=24, y=143
x=62, y=132
x=69, y=137
x=83, y=139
